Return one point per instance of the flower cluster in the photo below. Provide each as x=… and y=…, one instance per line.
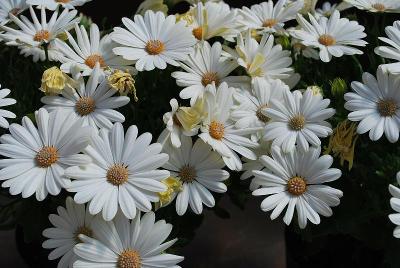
x=241, y=108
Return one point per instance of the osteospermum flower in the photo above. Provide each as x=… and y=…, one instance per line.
x=249, y=111
x=395, y=204
x=333, y=37
x=5, y=102
x=327, y=9
x=376, y=102
x=376, y=5
x=300, y=119
x=212, y=20
x=69, y=223
x=124, y=173
x=220, y=133
x=85, y=52
x=393, y=50
x=37, y=156
x=128, y=244
x=94, y=101
x=269, y=17
x=181, y=120
x=32, y=37
x=53, y=4
x=203, y=67
x=296, y=180
x=153, y=40
x=13, y=7
x=263, y=59
x=200, y=171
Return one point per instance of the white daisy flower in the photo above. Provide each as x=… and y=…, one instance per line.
x=37, y=157
x=395, y=204
x=249, y=111
x=300, y=49
x=263, y=59
x=5, y=102
x=333, y=37
x=376, y=103
x=87, y=51
x=13, y=7
x=124, y=173
x=269, y=17
x=153, y=40
x=212, y=20
x=200, y=170
x=38, y=34
x=299, y=119
x=393, y=50
x=295, y=180
x=326, y=10
x=204, y=67
x=69, y=223
x=53, y=4
x=94, y=101
x=174, y=129
x=128, y=244
x=391, y=6
x=220, y=133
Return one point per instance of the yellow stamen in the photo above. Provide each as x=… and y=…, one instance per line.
x=297, y=122
x=262, y=117
x=82, y=230
x=155, y=47
x=326, y=40
x=198, y=33
x=210, y=77
x=85, y=106
x=379, y=7
x=296, y=186
x=42, y=35
x=47, y=156
x=387, y=107
x=187, y=174
x=117, y=174
x=129, y=258
x=216, y=130
x=93, y=59
x=270, y=23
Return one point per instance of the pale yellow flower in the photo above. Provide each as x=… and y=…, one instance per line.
x=54, y=81
x=173, y=186
x=155, y=5
x=343, y=141
x=190, y=117
x=123, y=82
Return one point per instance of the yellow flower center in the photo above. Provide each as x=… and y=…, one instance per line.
x=326, y=40
x=85, y=106
x=14, y=11
x=129, y=258
x=297, y=122
x=296, y=186
x=387, y=107
x=210, y=77
x=82, y=230
x=379, y=7
x=47, y=156
x=198, y=33
x=216, y=130
x=262, y=117
x=270, y=23
x=187, y=174
x=117, y=174
x=42, y=35
x=93, y=59
x=155, y=47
